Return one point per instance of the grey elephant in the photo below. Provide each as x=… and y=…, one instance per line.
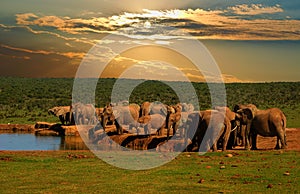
x=154, y=121
x=211, y=124
x=267, y=123
x=120, y=115
x=127, y=115
x=187, y=107
x=148, y=108
x=62, y=112
x=84, y=114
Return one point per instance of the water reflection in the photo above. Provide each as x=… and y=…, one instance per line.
x=27, y=141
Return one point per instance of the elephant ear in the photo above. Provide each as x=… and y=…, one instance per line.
x=164, y=111
x=170, y=110
x=60, y=112
x=236, y=108
x=178, y=108
x=249, y=112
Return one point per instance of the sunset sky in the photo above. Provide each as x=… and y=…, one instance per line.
x=251, y=41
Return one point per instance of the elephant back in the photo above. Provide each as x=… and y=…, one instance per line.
x=158, y=108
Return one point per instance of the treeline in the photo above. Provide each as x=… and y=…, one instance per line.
x=27, y=100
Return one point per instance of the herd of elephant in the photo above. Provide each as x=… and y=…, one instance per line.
x=226, y=128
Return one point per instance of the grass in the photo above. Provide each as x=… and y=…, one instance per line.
x=82, y=172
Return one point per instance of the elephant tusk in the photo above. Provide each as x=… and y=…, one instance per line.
x=234, y=129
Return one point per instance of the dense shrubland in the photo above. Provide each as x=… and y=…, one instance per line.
x=26, y=100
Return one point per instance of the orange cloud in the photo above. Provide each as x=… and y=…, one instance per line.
x=203, y=24
x=71, y=55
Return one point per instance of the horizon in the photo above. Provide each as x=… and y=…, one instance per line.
x=201, y=82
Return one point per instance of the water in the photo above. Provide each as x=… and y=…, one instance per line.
x=27, y=141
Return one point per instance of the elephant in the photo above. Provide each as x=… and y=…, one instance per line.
x=148, y=108
x=99, y=112
x=187, y=107
x=120, y=115
x=211, y=122
x=108, y=116
x=127, y=115
x=153, y=121
x=235, y=125
x=173, y=118
x=267, y=123
x=241, y=130
x=62, y=112
x=145, y=109
x=84, y=114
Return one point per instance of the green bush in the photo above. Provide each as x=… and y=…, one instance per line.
x=28, y=99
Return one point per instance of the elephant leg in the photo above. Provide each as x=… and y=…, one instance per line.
x=61, y=118
x=243, y=136
x=119, y=128
x=283, y=139
x=168, y=133
x=146, y=130
x=215, y=148
x=175, y=128
x=225, y=140
x=246, y=135
x=277, y=147
x=254, y=141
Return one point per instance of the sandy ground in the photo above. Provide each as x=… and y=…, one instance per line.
x=292, y=136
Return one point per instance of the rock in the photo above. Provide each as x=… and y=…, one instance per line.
x=46, y=132
x=270, y=186
x=286, y=174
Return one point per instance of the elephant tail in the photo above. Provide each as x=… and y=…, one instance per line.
x=284, y=126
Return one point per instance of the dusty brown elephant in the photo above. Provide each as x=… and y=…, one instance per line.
x=241, y=130
x=173, y=118
x=145, y=109
x=62, y=112
x=211, y=124
x=235, y=125
x=267, y=123
x=108, y=116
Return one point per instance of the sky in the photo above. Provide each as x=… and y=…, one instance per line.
x=250, y=41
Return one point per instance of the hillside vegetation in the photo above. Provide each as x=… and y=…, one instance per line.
x=26, y=100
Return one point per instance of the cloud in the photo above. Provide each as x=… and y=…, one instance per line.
x=201, y=23
x=71, y=55
x=255, y=9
